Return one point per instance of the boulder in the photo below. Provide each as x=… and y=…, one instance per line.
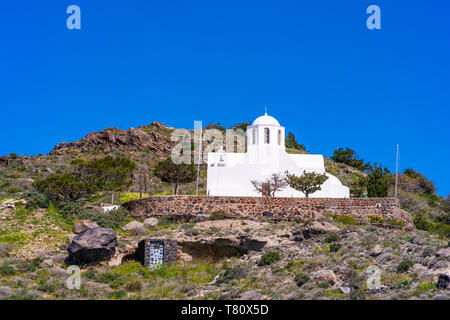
x=344, y=290
x=5, y=291
x=250, y=295
x=445, y=253
x=47, y=263
x=150, y=223
x=202, y=217
x=322, y=227
x=267, y=214
x=327, y=276
x=83, y=225
x=376, y=251
x=443, y=281
x=93, y=245
x=135, y=227
x=441, y=296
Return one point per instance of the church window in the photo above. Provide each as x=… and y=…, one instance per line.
x=253, y=136
x=279, y=137
x=266, y=135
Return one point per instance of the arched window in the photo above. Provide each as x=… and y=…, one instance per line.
x=279, y=137
x=253, y=136
x=266, y=135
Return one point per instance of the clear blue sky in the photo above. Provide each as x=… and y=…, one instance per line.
x=322, y=73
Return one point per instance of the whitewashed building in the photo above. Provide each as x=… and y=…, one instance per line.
x=230, y=174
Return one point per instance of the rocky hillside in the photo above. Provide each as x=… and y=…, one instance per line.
x=227, y=259
x=302, y=259
x=150, y=143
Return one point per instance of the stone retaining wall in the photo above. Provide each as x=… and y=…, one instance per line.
x=280, y=208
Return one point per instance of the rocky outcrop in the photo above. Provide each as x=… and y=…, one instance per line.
x=150, y=223
x=134, y=227
x=155, y=137
x=93, y=245
x=325, y=276
x=322, y=227
x=83, y=225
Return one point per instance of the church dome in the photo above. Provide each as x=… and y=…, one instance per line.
x=266, y=120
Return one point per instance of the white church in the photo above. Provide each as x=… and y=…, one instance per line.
x=230, y=174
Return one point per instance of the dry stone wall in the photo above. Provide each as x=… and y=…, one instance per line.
x=279, y=208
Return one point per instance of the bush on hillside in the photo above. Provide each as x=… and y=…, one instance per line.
x=75, y=211
x=36, y=200
x=268, y=258
x=301, y=278
x=404, y=266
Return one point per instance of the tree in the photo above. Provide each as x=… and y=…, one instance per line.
x=358, y=186
x=308, y=182
x=242, y=125
x=276, y=182
x=87, y=177
x=350, y=157
x=291, y=143
x=64, y=187
x=378, y=182
x=418, y=182
x=175, y=174
x=107, y=174
x=143, y=179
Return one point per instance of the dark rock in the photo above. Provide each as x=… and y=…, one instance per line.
x=298, y=238
x=443, y=281
x=267, y=214
x=97, y=244
x=307, y=234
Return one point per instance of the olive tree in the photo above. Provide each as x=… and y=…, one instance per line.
x=175, y=174
x=308, y=182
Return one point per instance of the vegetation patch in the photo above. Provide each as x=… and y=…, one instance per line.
x=268, y=258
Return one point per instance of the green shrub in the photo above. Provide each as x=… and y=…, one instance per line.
x=231, y=273
x=45, y=286
x=33, y=265
x=111, y=219
x=75, y=211
x=219, y=215
x=395, y=222
x=107, y=277
x=331, y=237
x=345, y=219
x=134, y=286
x=375, y=218
x=357, y=294
x=36, y=200
x=301, y=278
x=7, y=270
x=118, y=294
x=91, y=274
x=268, y=258
x=334, y=247
x=404, y=266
